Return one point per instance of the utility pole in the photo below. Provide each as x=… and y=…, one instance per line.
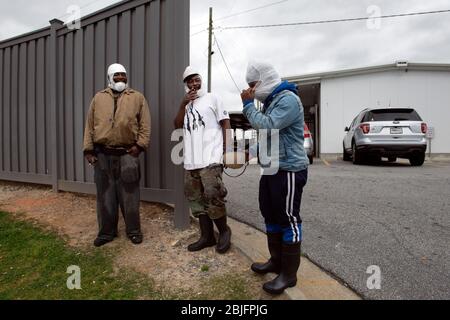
x=210, y=47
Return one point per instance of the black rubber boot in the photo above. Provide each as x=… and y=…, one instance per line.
x=207, y=238
x=274, y=241
x=290, y=261
x=98, y=242
x=224, y=242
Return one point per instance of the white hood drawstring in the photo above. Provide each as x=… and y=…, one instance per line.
x=267, y=76
x=113, y=69
x=190, y=71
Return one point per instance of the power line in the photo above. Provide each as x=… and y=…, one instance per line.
x=242, y=12
x=334, y=21
x=225, y=63
x=194, y=34
x=251, y=10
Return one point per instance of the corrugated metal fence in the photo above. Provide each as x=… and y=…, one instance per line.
x=48, y=78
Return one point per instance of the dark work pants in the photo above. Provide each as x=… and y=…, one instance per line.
x=280, y=198
x=117, y=180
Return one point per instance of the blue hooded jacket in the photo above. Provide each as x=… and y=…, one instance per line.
x=283, y=111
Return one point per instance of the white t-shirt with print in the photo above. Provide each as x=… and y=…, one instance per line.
x=203, y=137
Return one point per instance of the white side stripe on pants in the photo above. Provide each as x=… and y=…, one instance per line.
x=290, y=206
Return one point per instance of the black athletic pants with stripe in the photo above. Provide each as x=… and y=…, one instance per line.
x=280, y=198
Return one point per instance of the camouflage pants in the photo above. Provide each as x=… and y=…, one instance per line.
x=117, y=180
x=206, y=192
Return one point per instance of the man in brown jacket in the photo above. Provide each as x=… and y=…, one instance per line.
x=117, y=131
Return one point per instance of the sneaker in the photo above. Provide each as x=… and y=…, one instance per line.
x=100, y=242
x=136, y=239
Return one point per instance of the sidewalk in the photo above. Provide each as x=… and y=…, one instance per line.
x=312, y=284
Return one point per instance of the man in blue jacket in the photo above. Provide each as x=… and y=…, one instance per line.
x=280, y=193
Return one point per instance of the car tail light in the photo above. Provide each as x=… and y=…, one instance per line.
x=307, y=133
x=424, y=128
x=365, y=127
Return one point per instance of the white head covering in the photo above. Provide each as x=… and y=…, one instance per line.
x=112, y=70
x=267, y=75
x=190, y=71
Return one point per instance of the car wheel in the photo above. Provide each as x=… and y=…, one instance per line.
x=345, y=155
x=417, y=159
x=310, y=159
x=356, y=155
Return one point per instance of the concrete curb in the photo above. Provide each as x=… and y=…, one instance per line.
x=313, y=283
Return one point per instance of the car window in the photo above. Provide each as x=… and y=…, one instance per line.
x=359, y=118
x=353, y=122
x=392, y=115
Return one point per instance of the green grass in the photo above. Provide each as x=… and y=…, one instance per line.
x=204, y=268
x=34, y=262
x=227, y=287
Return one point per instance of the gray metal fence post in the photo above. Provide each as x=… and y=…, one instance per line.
x=179, y=11
x=55, y=24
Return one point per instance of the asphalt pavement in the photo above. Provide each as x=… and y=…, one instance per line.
x=391, y=216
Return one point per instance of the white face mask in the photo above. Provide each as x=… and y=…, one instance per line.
x=119, y=86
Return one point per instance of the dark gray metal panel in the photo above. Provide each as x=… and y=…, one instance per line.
x=2, y=82
x=7, y=110
x=138, y=53
x=152, y=91
x=138, y=67
x=55, y=88
x=69, y=140
x=166, y=72
x=22, y=117
x=112, y=50
x=31, y=107
x=48, y=115
x=125, y=40
x=175, y=58
x=100, y=56
x=61, y=108
x=40, y=107
x=78, y=105
x=15, y=108
x=88, y=83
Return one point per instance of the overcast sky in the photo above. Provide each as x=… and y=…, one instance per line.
x=293, y=50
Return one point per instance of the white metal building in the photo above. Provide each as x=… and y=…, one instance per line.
x=333, y=99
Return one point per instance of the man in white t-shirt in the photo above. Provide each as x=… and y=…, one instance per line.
x=205, y=123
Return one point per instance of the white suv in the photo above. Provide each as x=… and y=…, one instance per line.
x=388, y=132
